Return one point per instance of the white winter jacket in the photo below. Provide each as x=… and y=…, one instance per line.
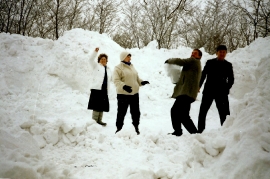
x=126, y=75
x=98, y=73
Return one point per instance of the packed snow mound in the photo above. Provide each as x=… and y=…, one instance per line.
x=44, y=93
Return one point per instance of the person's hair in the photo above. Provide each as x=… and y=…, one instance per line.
x=200, y=52
x=221, y=47
x=102, y=55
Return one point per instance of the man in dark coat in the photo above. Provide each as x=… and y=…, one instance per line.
x=185, y=91
x=220, y=78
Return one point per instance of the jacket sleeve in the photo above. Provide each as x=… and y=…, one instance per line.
x=117, y=78
x=92, y=58
x=178, y=61
x=204, y=73
x=139, y=80
x=230, y=76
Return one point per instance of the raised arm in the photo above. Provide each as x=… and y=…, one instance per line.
x=92, y=60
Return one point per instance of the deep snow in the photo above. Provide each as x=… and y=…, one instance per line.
x=47, y=132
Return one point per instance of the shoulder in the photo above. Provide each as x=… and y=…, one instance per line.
x=228, y=62
x=118, y=67
x=211, y=60
x=108, y=68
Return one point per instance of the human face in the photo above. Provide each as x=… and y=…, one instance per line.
x=127, y=59
x=195, y=54
x=103, y=61
x=221, y=54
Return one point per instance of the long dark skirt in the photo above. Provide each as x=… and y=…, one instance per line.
x=99, y=100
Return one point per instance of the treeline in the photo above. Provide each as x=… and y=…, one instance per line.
x=133, y=24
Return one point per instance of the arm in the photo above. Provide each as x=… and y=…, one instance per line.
x=230, y=76
x=139, y=80
x=117, y=78
x=93, y=57
x=178, y=61
x=204, y=73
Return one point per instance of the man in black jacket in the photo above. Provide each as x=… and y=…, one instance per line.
x=220, y=78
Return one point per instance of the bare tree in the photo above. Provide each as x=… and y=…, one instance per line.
x=252, y=10
x=211, y=26
x=106, y=12
x=162, y=17
x=25, y=18
x=264, y=22
x=75, y=10
x=8, y=15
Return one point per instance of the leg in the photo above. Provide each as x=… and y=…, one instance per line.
x=121, y=111
x=95, y=115
x=100, y=119
x=176, y=122
x=222, y=106
x=135, y=111
x=186, y=120
x=205, y=105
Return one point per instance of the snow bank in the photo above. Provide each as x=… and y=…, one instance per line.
x=46, y=131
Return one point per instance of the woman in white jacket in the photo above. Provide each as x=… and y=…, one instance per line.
x=100, y=82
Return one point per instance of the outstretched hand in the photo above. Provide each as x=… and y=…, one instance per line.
x=145, y=82
x=97, y=49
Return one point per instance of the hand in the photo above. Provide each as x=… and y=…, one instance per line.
x=97, y=49
x=166, y=61
x=145, y=82
x=127, y=88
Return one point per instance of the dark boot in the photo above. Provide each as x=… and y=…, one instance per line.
x=137, y=130
x=101, y=123
x=178, y=134
x=118, y=129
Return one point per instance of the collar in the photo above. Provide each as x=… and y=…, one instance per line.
x=127, y=63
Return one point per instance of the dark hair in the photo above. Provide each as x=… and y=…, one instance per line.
x=221, y=47
x=200, y=52
x=102, y=55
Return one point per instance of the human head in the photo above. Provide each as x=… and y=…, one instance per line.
x=221, y=52
x=196, y=53
x=103, y=59
x=125, y=56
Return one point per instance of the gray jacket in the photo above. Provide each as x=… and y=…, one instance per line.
x=188, y=83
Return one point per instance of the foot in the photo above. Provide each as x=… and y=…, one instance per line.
x=118, y=129
x=137, y=130
x=178, y=134
x=102, y=123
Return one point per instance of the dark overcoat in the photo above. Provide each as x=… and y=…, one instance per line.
x=219, y=77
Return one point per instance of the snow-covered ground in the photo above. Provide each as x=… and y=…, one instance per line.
x=46, y=130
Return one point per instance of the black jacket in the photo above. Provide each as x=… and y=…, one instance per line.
x=219, y=75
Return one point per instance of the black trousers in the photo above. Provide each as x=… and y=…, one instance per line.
x=222, y=103
x=123, y=102
x=180, y=114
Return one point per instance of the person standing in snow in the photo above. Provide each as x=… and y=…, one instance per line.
x=220, y=78
x=127, y=83
x=100, y=82
x=185, y=91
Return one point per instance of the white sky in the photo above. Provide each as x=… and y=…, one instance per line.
x=46, y=131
